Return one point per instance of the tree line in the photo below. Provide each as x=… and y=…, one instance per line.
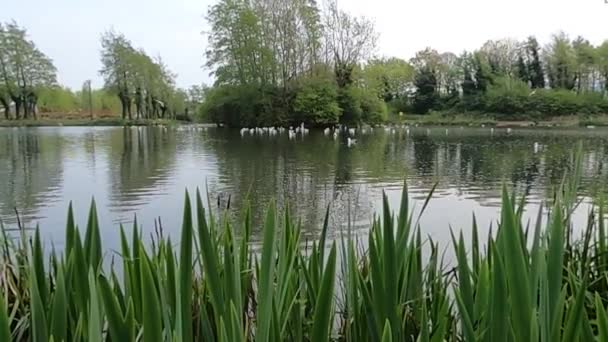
x=286, y=62
x=295, y=61
x=24, y=70
x=136, y=85
x=509, y=77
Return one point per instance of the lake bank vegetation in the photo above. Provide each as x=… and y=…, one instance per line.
x=136, y=85
x=542, y=280
x=299, y=61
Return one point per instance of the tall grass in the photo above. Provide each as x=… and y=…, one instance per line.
x=528, y=282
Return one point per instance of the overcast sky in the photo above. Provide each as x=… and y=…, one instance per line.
x=69, y=30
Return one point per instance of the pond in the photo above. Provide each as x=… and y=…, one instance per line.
x=144, y=171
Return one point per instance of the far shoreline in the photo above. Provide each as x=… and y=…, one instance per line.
x=435, y=119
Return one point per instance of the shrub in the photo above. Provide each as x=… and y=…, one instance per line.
x=316, y=102
x=373, y=109
x=237, y=106
x=507, y=96
x=57, y=99
x=349, y=99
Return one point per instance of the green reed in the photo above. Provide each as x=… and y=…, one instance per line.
x=530, y=281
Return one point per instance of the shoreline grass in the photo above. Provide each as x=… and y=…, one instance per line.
x=528, y=282
x=84, y=122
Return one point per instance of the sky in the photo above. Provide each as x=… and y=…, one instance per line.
x=69, y=31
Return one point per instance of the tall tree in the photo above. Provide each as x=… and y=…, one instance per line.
x=389, y=78
x=349, y=40
x=426, y=97
x=586, y=61
x=136, y=78
x=536, y=73
x=24, y=70
x=560, y=59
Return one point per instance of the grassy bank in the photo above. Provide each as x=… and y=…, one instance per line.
x=530, y=282
x=477, y=120
x=84, y=122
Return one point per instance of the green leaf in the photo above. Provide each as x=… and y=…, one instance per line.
x=266, y=278
x=59, y=318
x=322, y=316
x=5, y=329
x=185, y=273
x=152, y=324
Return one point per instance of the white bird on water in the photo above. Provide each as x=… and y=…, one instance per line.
x=335, y=134
x=492, y=130
x=351, y=131
x=327, y=131
x=350, y=142
x=292, y=134
x=509, y=130
x=536, y=147
x=446, y=131
x=243, y=131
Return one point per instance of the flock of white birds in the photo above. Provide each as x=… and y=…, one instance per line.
x=336, y=131
x=349, y=133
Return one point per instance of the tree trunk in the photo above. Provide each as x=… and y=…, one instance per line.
x=17, y=101
x=128, y=104
x=7, y=108
x=34, y=112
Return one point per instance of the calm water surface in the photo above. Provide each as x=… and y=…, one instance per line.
x=144, y=171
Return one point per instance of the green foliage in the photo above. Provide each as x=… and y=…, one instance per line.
x=141, y=83
x=349, y=99
x=241, y=106
x=58, y=99
x=374, y=110
x=24, y=69
x=507, y=95
x=316, y=102
x=426, y=97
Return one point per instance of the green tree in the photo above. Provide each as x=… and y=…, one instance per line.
x=137, y=80
x=536, y=73
x=349, y=39
x=426, y=97
x=586, y=58
x=24, y=70
x=316, y=102
x=560, y=59
x=389, y=78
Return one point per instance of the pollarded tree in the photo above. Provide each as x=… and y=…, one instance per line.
x=117, y=68
x=135, y=78
x=24, y=69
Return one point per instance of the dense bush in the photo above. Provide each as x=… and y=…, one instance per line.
x=507, y=96
x=57, y=99
x=349, y=99
x=374, y=110
x=316, y=102
x=238, y=106
x=511, y=97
